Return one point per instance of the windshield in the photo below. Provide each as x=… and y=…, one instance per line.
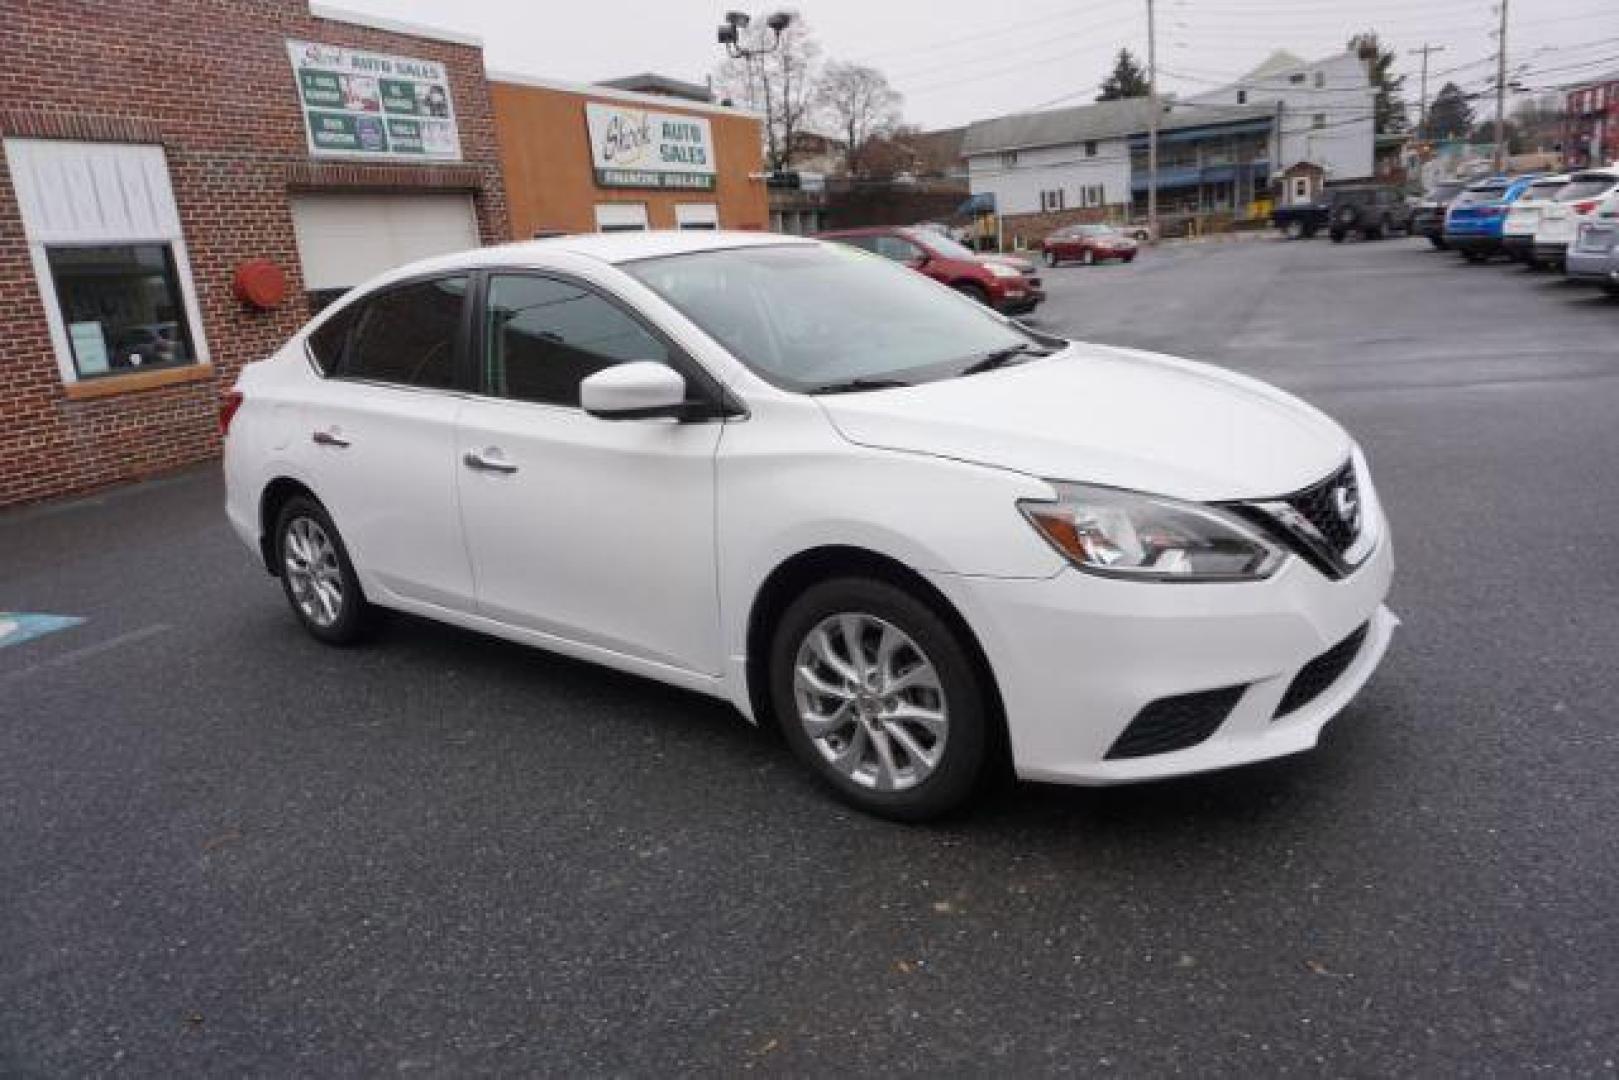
x=813, y=317
x=940, y=245
x=1096, y=230
x=1586, y=187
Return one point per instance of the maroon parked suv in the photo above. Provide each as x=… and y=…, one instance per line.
x=1007, y=284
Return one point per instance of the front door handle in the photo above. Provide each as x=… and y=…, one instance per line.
x=329, y=438
x=476, y=459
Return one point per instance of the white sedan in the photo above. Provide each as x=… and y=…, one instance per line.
x=914, y=535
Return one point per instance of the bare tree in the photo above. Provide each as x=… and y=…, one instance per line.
x=780, y=83
x=860, y=102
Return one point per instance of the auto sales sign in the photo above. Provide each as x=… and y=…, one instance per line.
x=364, y=104
x=638, y=148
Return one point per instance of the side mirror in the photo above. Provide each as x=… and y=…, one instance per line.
x=641, y=390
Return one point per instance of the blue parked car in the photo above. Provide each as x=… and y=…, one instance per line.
x=1473, y=222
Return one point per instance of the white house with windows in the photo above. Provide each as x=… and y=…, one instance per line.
x=1325, y=111
x=1058, y=160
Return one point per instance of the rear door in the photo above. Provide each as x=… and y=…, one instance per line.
x=596, y=531
x=379, y=437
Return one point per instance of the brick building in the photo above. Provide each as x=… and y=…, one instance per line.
x=154, y=152
x=1591, y=135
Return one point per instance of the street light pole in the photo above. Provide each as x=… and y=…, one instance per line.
x=1152, y=125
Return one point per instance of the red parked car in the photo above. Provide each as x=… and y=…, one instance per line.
x=1007, y=284
x=1087, y=244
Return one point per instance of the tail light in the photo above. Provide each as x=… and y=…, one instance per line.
x=229, y=402
x=1586, y=207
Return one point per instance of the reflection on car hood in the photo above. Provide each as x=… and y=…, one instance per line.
x=1009, y=260
x=1109, y=416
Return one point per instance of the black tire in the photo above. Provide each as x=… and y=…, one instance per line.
x=354, y=614
x=1049, y=258
x=1337, y=236
x=1310, y=230
x=1437, y=241
x=973, y=291
x=966, y=699
x=1087, y=257
x=1611, y=288
x=1294, y=230
x=1474, y=256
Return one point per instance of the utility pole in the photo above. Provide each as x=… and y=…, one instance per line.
x=1152, y=125
x=1501, y=93
x=1422, y=104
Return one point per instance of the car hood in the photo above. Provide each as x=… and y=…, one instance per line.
x=1104, y=415
x=1023, y=265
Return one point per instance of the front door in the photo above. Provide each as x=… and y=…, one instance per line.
x=378, y=436
x=597, y=531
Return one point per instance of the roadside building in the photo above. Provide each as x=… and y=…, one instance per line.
x=1045, y=170
x=583, y=157
x=1592, y=123
x=1324, y=111
x=183, y=184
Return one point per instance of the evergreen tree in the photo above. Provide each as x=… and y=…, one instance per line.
x=1390, y=107
x=1450, y=116
x=1127, y=80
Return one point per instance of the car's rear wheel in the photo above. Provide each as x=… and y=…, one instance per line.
x=875, y=692
x=1087, y=257
x=1294, y=230
x=1049, y=257
x=1337, y=236
x=1437, y=241
x=975, y=292
x=1611, y=288
x=316, y=573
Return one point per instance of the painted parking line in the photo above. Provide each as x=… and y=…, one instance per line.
x=78, y=656
x=17, y=627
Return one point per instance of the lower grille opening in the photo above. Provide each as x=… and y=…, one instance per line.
x=1314, y=678
x=1175, y=723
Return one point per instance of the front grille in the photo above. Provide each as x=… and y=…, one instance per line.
x=1333, y=507
x=1314, y=678
x=1175, y=723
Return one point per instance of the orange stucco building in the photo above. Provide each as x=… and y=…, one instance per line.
x=584, y=158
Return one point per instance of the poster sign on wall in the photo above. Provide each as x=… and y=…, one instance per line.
x=643, y=149
x=364, y=104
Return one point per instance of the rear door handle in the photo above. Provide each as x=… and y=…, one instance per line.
x=329, y=438
x=476, y=459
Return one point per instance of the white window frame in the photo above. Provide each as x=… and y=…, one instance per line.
x=26, y=160
x=704, y=216
x=624, y=212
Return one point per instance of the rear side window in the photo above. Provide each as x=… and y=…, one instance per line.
x=897, y=248
x=406, y=335
x=326, y=344
x=1585, y=188
x=546, y=336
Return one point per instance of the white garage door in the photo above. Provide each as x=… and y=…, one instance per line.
x=345, y=239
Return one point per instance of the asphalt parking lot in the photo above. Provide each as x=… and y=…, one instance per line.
x=226, y=849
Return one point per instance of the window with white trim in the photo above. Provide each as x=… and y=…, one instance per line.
x=621, y=217
x=1051, y=201
x=104, y=238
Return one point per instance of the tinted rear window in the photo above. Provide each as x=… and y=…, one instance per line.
x=1545, y=189
x=1478, y=195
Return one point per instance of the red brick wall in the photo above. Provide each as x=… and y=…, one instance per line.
x=210, y=81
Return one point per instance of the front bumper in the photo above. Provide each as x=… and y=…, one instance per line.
x=1078, y=657
x=1019, y=301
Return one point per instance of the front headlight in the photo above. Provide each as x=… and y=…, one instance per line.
x=1000, y=271
x=1146, y=538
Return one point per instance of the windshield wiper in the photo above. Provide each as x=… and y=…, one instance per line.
x=855, y=386
x=1002, y=357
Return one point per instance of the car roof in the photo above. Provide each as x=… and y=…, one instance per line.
x=612, y=248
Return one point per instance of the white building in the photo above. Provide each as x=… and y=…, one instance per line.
x=1325, y=110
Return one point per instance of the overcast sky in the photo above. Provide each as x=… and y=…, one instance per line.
x=960, y=60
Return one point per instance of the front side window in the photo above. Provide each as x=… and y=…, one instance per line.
x=543, y=337
x=121, y=307
x=406, y=335
x=817, y=317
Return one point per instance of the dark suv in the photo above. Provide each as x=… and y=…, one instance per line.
x=1429, y=219
x=1372, y=210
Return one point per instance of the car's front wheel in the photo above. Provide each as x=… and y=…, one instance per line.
x=1294, y=230
x=316, y=574
x=1049, y=257
x=1087, y=257
x=880, y=698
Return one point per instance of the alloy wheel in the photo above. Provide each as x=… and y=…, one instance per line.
x=871, y=702
x=314, y=575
